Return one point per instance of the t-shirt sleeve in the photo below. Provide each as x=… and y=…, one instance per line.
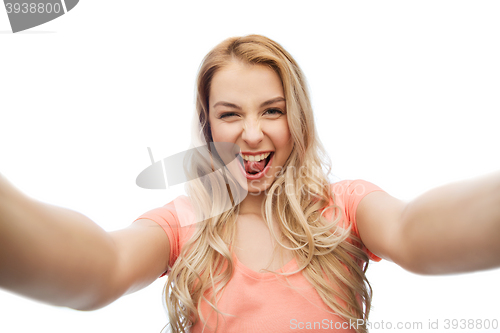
x=166, y=218
x=350, y=193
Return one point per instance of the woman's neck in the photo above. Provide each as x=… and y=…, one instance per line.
x=252, y=203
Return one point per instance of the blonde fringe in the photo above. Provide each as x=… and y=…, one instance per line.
x=327, y=254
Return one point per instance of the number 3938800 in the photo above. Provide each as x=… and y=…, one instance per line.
x=33, y=7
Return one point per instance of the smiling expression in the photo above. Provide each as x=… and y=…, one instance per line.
x=247, y=107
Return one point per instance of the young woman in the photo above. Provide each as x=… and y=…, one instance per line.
x=263, y=242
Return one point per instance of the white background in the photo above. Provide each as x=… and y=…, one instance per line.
x=405, y=96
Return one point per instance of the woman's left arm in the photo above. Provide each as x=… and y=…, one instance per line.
x=450, y=229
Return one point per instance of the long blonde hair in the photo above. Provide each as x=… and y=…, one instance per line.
x=327, y=254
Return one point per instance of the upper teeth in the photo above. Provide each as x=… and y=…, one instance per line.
x=255, y=158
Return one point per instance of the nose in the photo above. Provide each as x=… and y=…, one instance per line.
x=252, y=133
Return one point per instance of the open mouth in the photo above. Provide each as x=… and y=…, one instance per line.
x=255, y=165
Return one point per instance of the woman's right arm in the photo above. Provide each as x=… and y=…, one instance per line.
x=58, y=256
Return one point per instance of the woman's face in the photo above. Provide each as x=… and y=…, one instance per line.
x=247, y=107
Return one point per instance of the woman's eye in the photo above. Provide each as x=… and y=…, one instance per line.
x=227, y=115
x=274, y=112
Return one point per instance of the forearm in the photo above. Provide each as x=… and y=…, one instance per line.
x=52, y=254
x=454, y=228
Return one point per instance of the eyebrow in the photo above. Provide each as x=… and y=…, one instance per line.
x=234, y=106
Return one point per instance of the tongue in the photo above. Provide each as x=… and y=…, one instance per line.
x=255, y=167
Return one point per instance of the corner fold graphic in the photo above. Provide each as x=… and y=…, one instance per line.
x=26, y=14
x=70, y=4
x=152, y=177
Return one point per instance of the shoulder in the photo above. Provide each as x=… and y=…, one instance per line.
x=347, y=195
x=176, y=213
x=177, y=219
x=353, y=188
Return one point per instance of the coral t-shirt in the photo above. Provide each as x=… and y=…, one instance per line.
x=265, y=302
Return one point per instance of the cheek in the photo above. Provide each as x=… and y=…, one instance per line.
x=224, y=133
x=281, y=135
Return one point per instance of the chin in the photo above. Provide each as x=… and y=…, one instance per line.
x=256, y=188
